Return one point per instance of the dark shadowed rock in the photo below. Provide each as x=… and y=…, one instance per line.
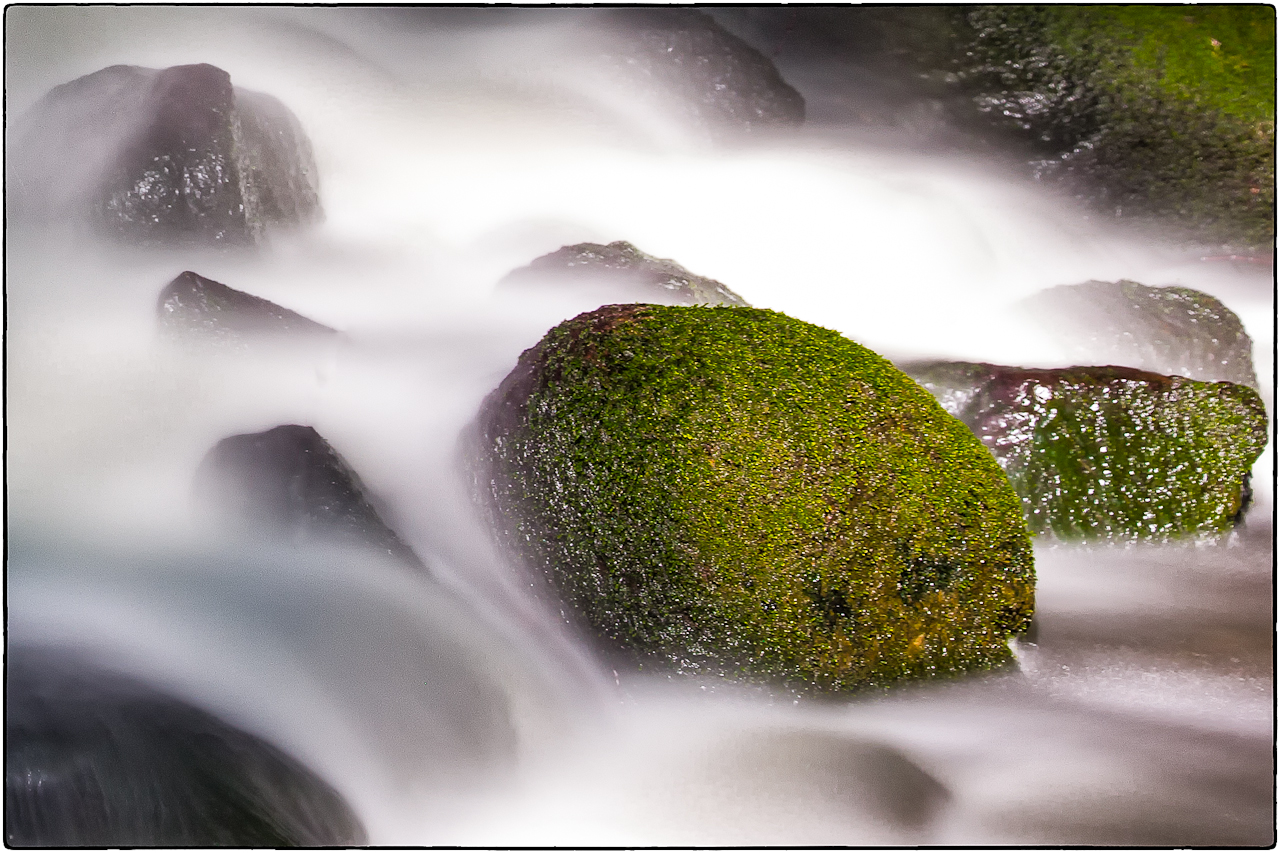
x=194, y=304
x=1172, y=330
x=289, y=482
x=95, y=759
x=694, y=66
x=619, y=272
x=174, y=156
x=1110, y=452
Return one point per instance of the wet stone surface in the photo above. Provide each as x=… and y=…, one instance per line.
x=619, y=272
x=95, y=759
x=728, y=490
x=1171, y=330
x=289, y=483
x=686, y=61
x=176, y=156
x=194, y=306
x=1110, y=452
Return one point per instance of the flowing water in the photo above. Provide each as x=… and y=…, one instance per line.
x=463, y=711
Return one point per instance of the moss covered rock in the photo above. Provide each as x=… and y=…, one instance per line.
x=1171, y=330
x=729, y=490
x=1111, y=452
x=1149, y=111
x=619, y=272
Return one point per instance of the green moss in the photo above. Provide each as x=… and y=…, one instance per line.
x=1222, y=57
x=729, y=490
x=1109, y=452
x=1164, y=112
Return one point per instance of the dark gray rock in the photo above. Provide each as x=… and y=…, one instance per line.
x=619, y=272
x=1172, y=330
x=289, y=483
x=694, y=65
x=176, y=156
x=192, y=303
x=95, y=759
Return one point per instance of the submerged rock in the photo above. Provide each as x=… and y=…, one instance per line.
x=728, y=490
x=1171, y=330
x=194, y=304
x=860, y=785
x=94, y=759
x=1111, y=452
x=619, y=272
x=289, y=482
x=171, y=156
x=683, y=60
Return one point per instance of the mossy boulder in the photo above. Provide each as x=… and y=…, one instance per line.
x=1111, y=453
x=288, y=483
x=619, y=272
x=1160, y=113
x=731, y=491
x=1170, y=330
x=173, y=156
x=192, y=305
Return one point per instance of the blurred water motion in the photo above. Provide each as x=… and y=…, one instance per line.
x=452, y=150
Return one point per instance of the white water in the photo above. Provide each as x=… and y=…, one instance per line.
x=470, y=716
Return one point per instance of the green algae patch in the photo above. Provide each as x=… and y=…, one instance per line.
x=730, y=491
x=1111, y=453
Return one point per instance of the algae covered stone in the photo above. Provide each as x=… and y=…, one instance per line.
x=1148, y=111
x=732, y=491
x=1111, y=452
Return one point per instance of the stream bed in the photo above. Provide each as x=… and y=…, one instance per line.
x=461, y=710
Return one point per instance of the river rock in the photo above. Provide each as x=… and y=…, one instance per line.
x=194, y=305
x=619, y=272
x=686, y=62
x=288, y=482
x=95, y=759
x=1163, y=114
x=169, y=156
x=1171, y=330
x=1111, y=452
x=731, y=491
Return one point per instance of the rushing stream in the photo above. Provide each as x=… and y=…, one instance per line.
x=463, y=711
